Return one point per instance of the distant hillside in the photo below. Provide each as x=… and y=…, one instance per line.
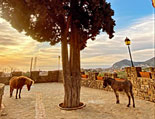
x=150, y=62
x=127, y=63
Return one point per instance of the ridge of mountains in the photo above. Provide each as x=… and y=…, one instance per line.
x=127, y=63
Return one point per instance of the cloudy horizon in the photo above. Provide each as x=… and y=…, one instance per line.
x=16, y=49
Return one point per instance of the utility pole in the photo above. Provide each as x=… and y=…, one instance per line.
x=31, y=65
x=35, y=63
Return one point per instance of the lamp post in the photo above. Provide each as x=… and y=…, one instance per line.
x=127, y=42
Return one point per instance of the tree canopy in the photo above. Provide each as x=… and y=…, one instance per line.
x=72, y=22
x=48, y=20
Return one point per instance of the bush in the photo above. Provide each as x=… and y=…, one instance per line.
x=122, y=74
x=26, y=74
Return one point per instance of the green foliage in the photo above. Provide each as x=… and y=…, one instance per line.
x=145, y=69
x=50, y=20
x=122, y=74
x=101, y=74
x=26, y=74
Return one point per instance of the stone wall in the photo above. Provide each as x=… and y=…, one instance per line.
x=53, y=76
x=91, y=81
x=1, y=93
x=5, y=80
x=133, y=71
x=96, y=84
x=60, y=76
x=17, y=73
x=142, y=87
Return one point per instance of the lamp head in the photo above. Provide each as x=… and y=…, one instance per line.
x=127, y=41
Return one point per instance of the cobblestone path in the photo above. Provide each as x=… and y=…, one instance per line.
x=43, y=99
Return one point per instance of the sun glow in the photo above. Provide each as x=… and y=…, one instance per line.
x=16, y=49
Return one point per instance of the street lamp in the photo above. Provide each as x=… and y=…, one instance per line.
x=127, y=42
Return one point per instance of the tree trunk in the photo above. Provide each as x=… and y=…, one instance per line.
x=75, y=67
x=66, y=74
x=71, y=73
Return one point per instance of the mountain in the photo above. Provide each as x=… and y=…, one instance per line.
x=150, y=62
x=127, y=63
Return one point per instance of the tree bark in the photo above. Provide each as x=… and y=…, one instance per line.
x=75, y=67
x=71, y=72
x=66, y=74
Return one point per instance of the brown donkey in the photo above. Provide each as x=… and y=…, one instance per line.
x=125, y=86
x=18, y=83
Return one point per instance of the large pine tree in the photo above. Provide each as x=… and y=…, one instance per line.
x=70, y=22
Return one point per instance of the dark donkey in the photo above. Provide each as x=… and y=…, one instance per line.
x=124, y=85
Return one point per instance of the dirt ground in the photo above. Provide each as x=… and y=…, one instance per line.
x=43, y=99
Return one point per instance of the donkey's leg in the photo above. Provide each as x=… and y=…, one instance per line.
x=117, y=97
x=128, y=97
x=16, y=93
x=131, y=93
x=11, y=91
x=20, y=92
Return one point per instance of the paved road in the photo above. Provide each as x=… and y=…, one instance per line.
x=42, y=103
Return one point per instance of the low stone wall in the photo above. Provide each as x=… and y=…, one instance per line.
x=5, y=80
x=60, y=76
x=17, y=73
x=52, y=76
x=1, y=93
x=144, y=88
x=96, y=84
x=92, y=81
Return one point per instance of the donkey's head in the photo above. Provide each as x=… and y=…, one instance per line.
x=106, y=82
x=28, y=82
x=29, y=85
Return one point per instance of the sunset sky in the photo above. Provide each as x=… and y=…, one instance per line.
x=134, y=20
